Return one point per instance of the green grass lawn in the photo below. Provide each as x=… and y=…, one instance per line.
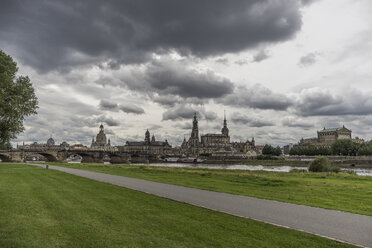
x=47, y=208
x=340, y=191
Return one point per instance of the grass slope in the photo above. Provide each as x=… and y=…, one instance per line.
x=46, y=208
x=340, y=191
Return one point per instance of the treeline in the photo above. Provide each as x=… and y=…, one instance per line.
x=270, y=150
x=310, y=150
x=342, y=147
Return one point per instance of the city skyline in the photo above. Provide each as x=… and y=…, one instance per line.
x=309, y=70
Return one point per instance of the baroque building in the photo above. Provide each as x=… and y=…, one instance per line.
x=148, y=146
x=50, y=144
x=327, y=136
x=101, y=140
x=213, y=143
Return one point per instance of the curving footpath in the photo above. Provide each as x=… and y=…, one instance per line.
x=342, y=226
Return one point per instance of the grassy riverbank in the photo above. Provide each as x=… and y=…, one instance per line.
x=340, y=191
x=47, y=208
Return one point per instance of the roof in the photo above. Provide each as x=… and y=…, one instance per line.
x=332, y=129
x=213, y=135
x=135, y=143
x=142, y=143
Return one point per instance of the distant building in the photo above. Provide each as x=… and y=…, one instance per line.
x=79, y=147
x=244, y=146
x=213, y=140
x=101, y=141
x=212, y=143
x=148, y=146
x=50, y=144
x=259, y=149
x=327, y=136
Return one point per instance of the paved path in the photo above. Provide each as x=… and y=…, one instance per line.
x=351, y=228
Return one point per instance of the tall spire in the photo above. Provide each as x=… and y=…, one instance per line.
x=195, y=128
x=225, y=130
x=147, y=137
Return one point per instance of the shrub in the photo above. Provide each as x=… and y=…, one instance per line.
x=335, y=168
x=322, y=164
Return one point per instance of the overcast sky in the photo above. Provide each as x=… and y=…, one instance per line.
x=282, y=69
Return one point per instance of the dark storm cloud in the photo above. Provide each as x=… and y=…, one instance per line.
x=127, y=108
x=60, y=34
x=293, y=122
x=257, y=96
x=182, y=112
x=132, y=109
x=108, y=120
x=177, y=78
x=168, y=101
x=321, y=102
x=238, y=118
x=106, y=105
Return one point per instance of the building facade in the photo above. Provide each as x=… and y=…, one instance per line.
x=148, y=146
x=327, y=136
x=101, y=140
x=50, y=144
x=212, y=143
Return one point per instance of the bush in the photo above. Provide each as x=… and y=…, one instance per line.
x=322, y=164
x=351, y=172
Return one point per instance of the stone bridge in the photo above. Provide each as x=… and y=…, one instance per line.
x=61, y=155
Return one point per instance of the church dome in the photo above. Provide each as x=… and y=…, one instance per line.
x=50, y=142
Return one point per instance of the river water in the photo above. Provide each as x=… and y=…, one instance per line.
x=279, y=168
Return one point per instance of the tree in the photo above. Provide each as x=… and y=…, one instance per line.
x=345, y=147
x=17, y=100
x=269, y=150
x=365, y=149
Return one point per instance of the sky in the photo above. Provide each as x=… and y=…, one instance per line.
x=281, y=69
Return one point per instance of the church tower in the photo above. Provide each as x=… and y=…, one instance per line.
x=147, y=137
x=101, y=139
x=194, y=139
x=195, y=128
x=225, y=130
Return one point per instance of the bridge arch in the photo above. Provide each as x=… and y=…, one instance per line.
x=5, y=158
x=86, y=157
x=48, y=157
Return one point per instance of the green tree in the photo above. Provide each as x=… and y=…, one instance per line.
x=17, y=100
x=345, y=147
x=277, y=151
x=365, y=149
x=269, y=150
